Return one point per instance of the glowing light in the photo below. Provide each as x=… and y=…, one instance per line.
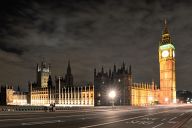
x=112, y=94
x=174, y=101
x=165, y=53
x=166, y=46
x=173, y=53
x=166, y=99
x=150, y=98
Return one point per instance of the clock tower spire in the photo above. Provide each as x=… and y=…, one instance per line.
x=166, y=38
x=167, y=68
x=165, y=31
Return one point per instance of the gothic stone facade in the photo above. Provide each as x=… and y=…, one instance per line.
x=63, y=93
x=118, y=79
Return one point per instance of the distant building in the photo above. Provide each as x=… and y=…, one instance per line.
x=64, y=93
x=43, y=73
x=118, y=79
x=43, y=92
x=67, y=79
x=128, y=92
x=184, y=96
x=143, y=94
x=11, y=97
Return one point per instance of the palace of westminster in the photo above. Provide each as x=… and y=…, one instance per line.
x=63, y=92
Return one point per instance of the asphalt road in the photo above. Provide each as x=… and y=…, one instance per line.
x=125, y=117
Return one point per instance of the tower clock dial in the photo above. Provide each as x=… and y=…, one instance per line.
x=165, y=53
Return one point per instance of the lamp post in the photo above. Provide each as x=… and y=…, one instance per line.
x=122, y=90
x=112, y=95
x=59, y=89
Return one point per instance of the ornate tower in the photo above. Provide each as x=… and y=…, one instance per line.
x=167, y=68
x=43, y=73
x=50, y=83
x=69, y=76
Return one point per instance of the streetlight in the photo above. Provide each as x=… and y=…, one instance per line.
x=150, y=98
x=112, y=95
x=166, y=100
x=59, y=89
x=174, y=101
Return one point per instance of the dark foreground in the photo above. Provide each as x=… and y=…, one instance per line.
x=124, y=117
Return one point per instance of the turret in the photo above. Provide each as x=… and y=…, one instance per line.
x=153, y=84
x=68, y=77
x=43, y=64
x=37, y=68
x=109, y=73
x=130, y=77
x=114, y=69
x=102, y=70
x=18, y=89
x=95, y=72
x=130, y=72
x=50, y=83
x=69, y=68
x=123, y=66
x=43, y=73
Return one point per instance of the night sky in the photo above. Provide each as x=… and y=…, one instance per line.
x=92, y=34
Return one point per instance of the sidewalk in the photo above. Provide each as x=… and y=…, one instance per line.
x=188, y=124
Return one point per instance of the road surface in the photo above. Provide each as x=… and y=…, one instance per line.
x=125, y=117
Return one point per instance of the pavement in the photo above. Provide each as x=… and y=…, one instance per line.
x=172, y=116
x=188, y=124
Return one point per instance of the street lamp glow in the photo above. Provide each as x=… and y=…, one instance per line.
x=166, y=99
x=112, y=94
x=174, y=101
x=150, y=98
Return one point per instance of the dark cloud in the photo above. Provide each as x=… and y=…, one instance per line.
x=91, y=34
x=8, y=48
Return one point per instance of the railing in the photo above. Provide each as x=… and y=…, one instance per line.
x=38, y=108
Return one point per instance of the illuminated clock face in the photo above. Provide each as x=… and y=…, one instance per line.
x=165, y=53
x=173, y=53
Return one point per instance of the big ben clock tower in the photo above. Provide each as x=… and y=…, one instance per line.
x=167, y=68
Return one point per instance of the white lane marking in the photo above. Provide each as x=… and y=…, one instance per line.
x=87, y=118
x=163, y=119
x=181, y=114
x=158, y=125
x=42, y=122
x=172, y=118
x=96, y=125
x=140, y=122
x=148, y=118
x=46, y=117
x=172, y=122
x=117, y=121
